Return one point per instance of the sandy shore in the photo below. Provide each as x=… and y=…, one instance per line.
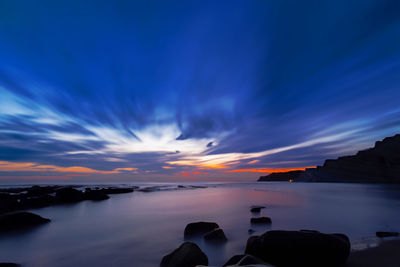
x=387, y=254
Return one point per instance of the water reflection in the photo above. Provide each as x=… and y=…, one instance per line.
x=140, y=228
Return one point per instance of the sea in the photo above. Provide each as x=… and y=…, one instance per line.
x=139, y=228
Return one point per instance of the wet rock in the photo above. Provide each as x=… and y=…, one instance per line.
x=261, y=220
x=198, y=228
x=216, y=235
x=235, y=259
x=296, y=248
x=9, y=264
x=95, y=195
x=250, y=260
x=68, y=195
x=20, y=220
x=250, y=231
x=187, y=255
x=387, y=234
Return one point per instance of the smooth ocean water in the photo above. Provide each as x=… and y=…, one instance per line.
x=137, y=229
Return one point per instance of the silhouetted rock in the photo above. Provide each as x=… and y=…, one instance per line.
x=198, y=228
x=187, y=255
x=250, y=260
x=36, y=201
x=216, y=235
x=118, y=190
x=9, y=264
x=256, y=209
x=68, y=194
x=250, y=231
x=94, y=195
x=295, y=248
x=380, y=164
x=20, y=220
x=280, y=176
x=387, y=234
x=261, y=220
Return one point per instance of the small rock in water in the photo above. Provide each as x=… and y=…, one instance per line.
x=216, y=235
x=198, y=228
x=9, y=264
x=187, y=255
x=256, y=209
x=261, y=220
x=387, y=234
x=20, y=220
x=250, y=231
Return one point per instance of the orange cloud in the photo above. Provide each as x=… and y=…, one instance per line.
x=33, y=167
x=267, y=170
x=253, y=161
x=167, y=167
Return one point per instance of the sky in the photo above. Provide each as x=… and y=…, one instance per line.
x=192, y=90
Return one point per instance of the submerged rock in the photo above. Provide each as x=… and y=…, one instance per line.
x=296, y=248
x=20, y=220
x=261, y=220
x=187, y=255
x=387, y=234
x=118, y=190
x=216, y=235
x=198, y=228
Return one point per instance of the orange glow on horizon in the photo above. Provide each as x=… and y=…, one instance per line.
x=33, y=167
x=268, y=170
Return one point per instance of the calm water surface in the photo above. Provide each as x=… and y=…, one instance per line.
x=137, y=229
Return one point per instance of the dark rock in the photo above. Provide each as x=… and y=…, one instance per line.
x=234, y=260
x=118, y=190
x=20, y=220
x=187, y=255
x=280, y=176
x=295, y=248
x=198, y=228
x=250, y=231
x=261, y=220
x=387, y=234
x=36, y=201
x=216, y=235
x=9, y=264
x=257, y=209
x=249, y=260
x=95, y=195
x=68, y=194
x=37, y=191
x=8, y=202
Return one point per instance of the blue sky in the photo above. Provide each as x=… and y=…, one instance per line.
x=192, y=90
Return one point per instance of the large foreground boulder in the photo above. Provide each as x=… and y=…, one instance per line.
x=187, y=255
x=300, y=248
x=198, y=228
x=20, y=220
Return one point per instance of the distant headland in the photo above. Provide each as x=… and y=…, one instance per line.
x=380, y=164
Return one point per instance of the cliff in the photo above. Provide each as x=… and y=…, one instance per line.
x=380, y=164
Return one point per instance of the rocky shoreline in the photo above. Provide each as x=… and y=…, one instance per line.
x=380, y=164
